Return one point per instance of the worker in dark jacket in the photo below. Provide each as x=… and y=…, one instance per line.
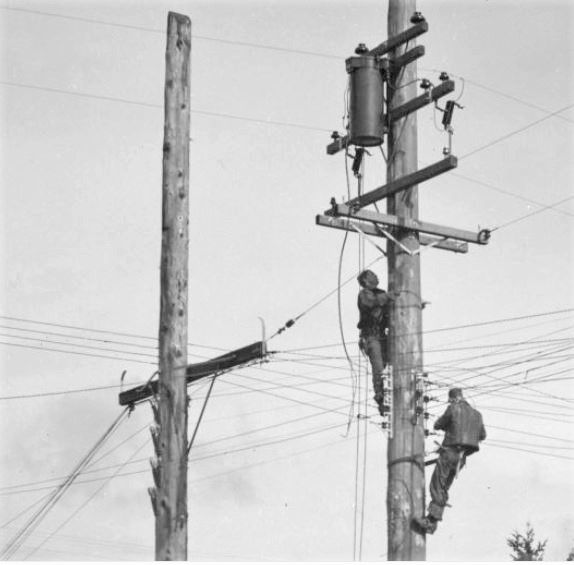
x=464, y=430
x=373, y=304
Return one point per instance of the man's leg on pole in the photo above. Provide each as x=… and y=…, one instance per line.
x=374, y=349
x=441, y=481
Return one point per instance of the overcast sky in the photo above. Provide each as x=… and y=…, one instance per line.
x=275, y=474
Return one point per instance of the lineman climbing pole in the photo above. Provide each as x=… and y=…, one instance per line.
x=393, y=64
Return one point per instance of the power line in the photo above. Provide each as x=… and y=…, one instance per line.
x=507, y=192
x=269, y=47
x=532, y=451
x=63, y=392
x=150, y=105
x=500, y=93
x=520, y=218
x=98, y=331
x=79, y=337
x=209, y=456
x=194, y=37
x=17, y=488
x=91, y=347
x=515, y=132
x=76, y=353
x=85, y=503
x=147, y=337
x=20, y=537
x=501, y=320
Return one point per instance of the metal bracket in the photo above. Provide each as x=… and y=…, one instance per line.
x=387, y=411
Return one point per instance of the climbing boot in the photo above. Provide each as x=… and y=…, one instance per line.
x=427, y=525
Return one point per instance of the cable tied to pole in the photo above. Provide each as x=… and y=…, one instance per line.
x=418, y=460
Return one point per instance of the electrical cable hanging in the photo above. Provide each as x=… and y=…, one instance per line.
x=22, y=535
x=86, y=502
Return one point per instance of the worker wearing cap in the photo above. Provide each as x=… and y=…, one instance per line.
x=464, y=430
x=373, y=304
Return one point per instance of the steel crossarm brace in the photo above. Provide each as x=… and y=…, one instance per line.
x=369, y=228
x=196, y=371
x=481, y=238
x=417, y=103
x=400, y=38
x=404, y=182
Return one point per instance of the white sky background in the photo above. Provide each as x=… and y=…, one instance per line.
x=82, y=130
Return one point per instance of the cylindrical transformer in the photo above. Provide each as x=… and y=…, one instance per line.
x=366, y=102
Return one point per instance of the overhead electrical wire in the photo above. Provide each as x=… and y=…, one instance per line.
x=90, y=347
x=18, y=488
x=457, y=327
x=79, y=353
x=267, y=47
x=254, y=120
x=227, y=451
x=297, y=437
x=508, y=193
x=159, y=106
x=533, y=213
x=23, y=533
x=292, y=350
x=532, y=451
x=84, y=504
x=276, y=48
x=79, y=337
x=515, y=132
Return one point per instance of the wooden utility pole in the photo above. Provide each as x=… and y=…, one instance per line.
x=169, y=498
x=405, y=454
x=396, y=58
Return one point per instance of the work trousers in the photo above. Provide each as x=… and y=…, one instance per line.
x=376, y=350
x=450, y=460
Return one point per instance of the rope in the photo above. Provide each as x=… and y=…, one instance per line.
x=418, y=460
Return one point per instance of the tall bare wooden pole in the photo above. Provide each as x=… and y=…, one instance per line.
x=405, y=495
x=170, y=472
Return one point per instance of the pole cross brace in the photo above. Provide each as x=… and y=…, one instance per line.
x=371, y=229
x=196, y=371
x=480, y=238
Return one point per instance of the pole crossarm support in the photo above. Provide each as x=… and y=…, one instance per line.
x=196, y=371
x=403, y=183
x=431, y=95
x=399, y=39
x=369, y=228
x=480, y=238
